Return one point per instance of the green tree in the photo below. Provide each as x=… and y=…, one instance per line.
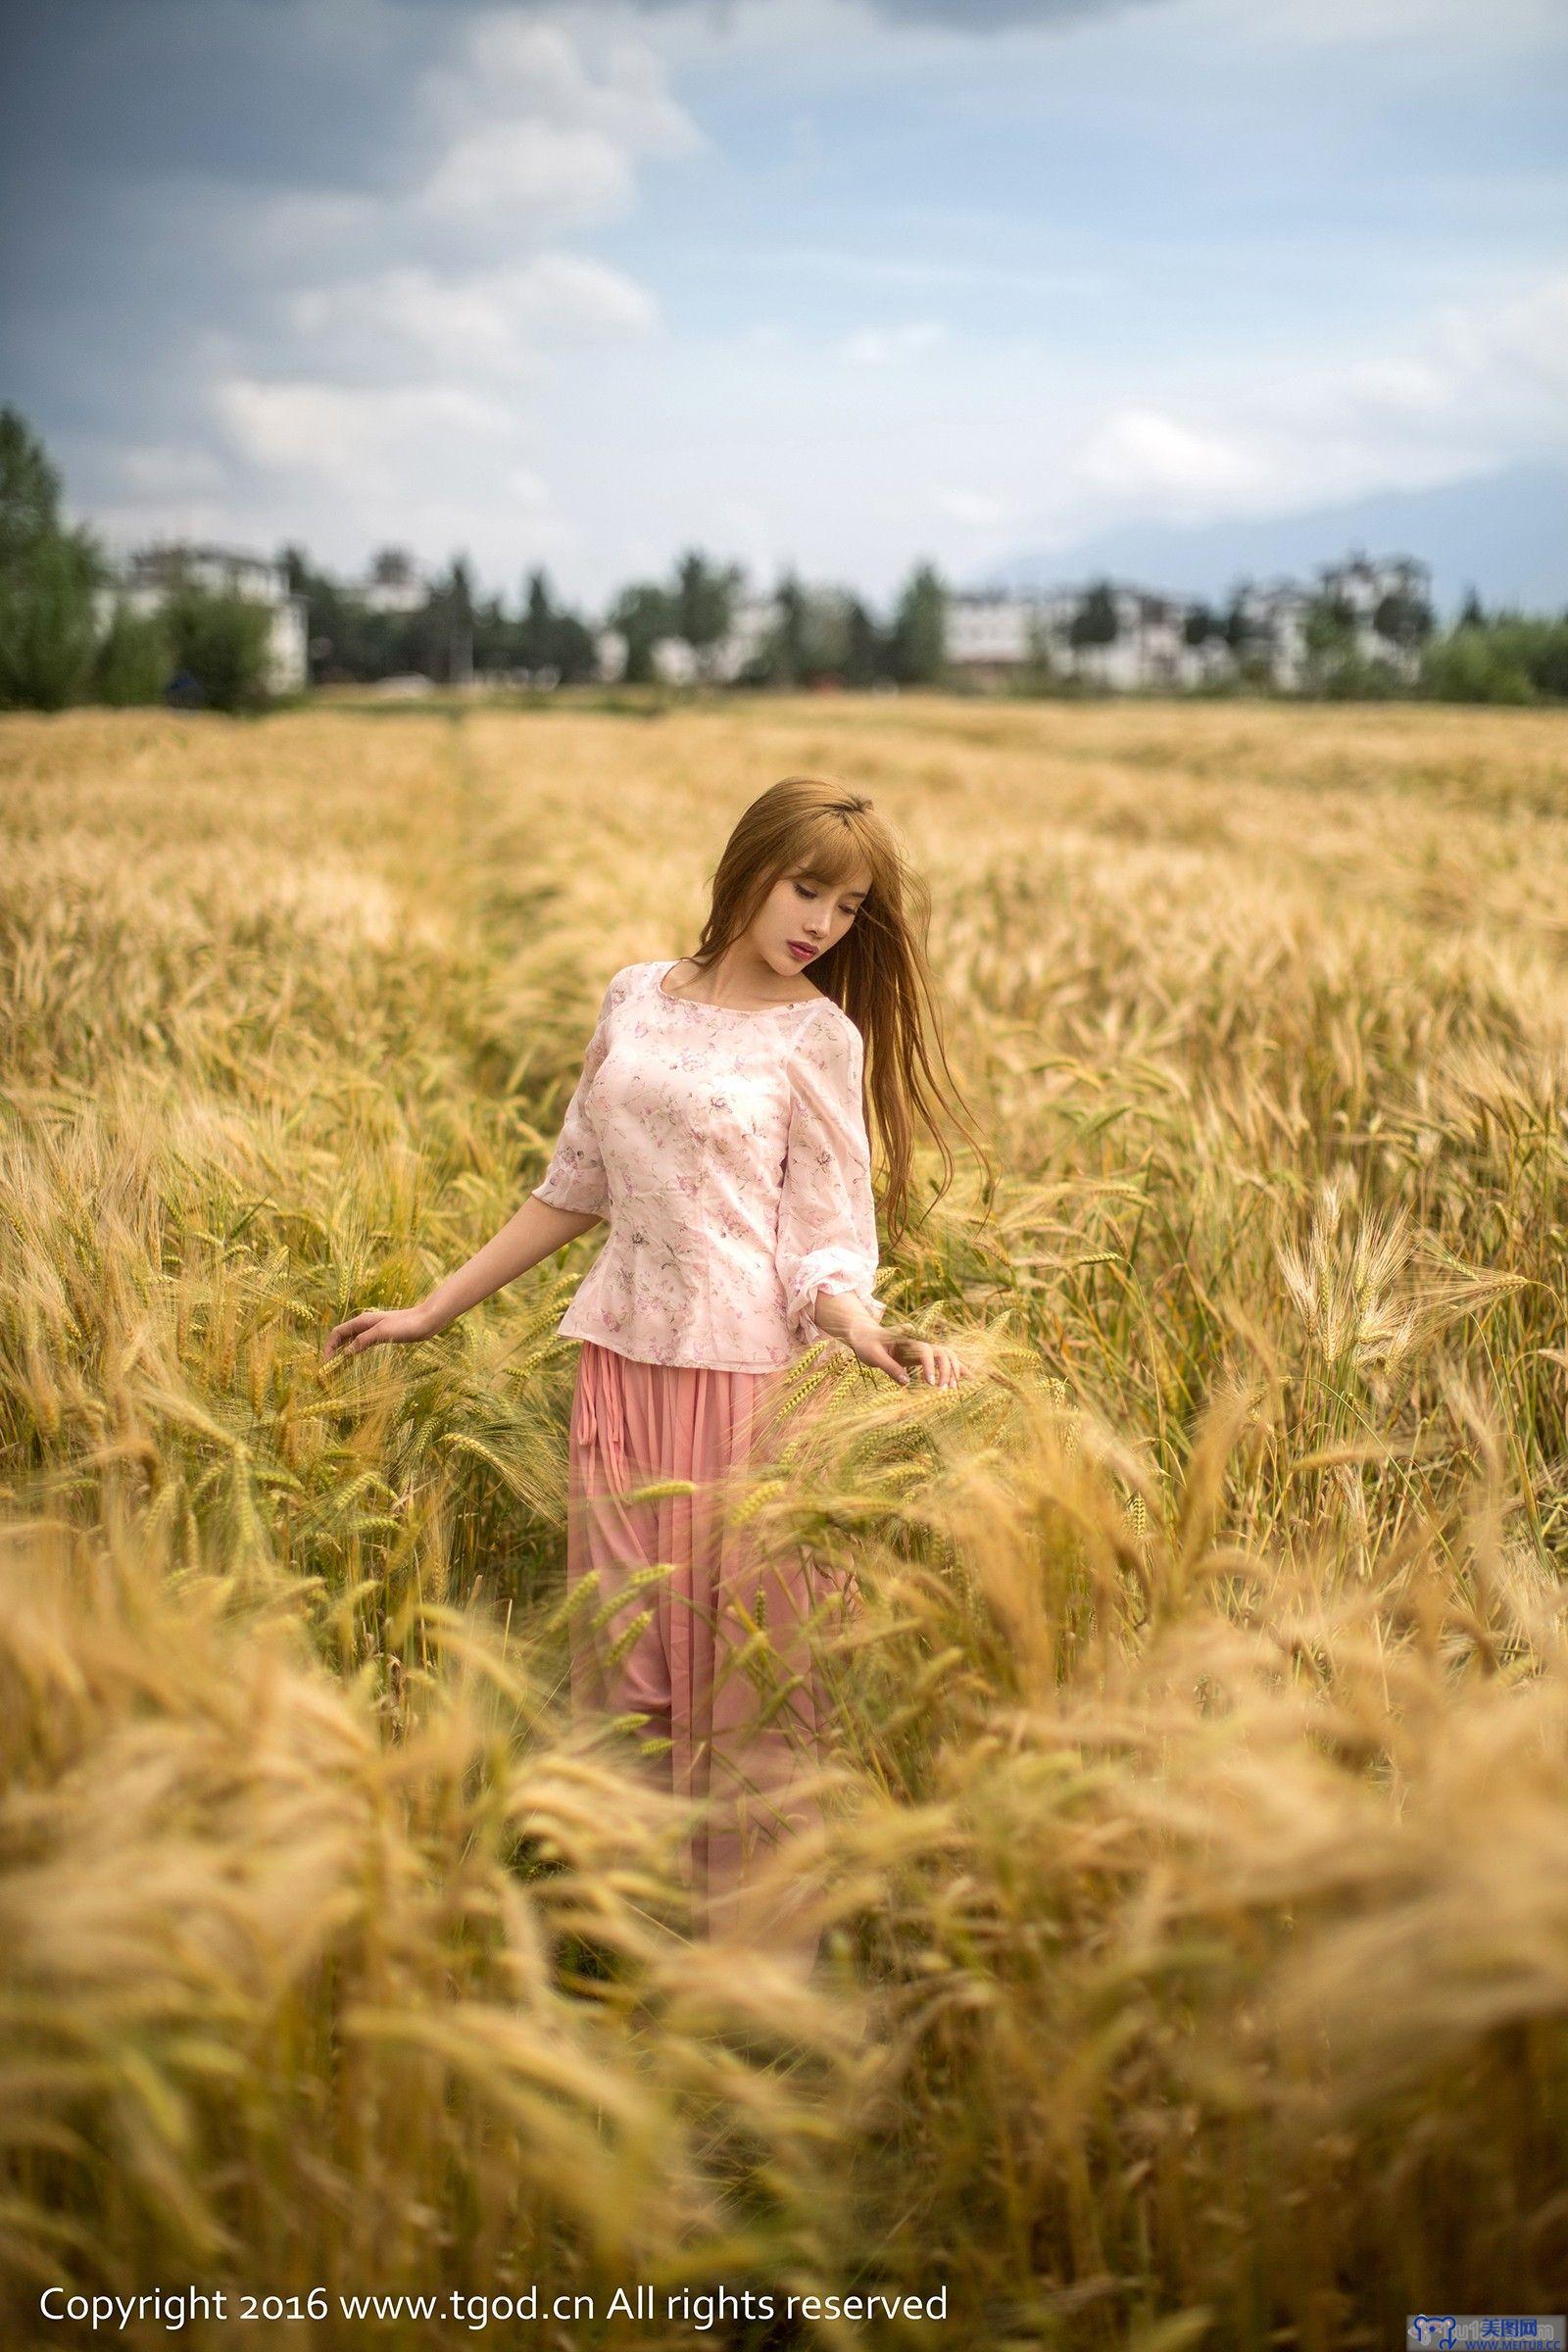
x=703, y=602
x=295, y=566
x=48, y=579
x=495, y=635
x=391, y=566
x=47, y=627
x=1329, y=635
x=642, y=615
x=457, y=605
x=221, y=644
x=536, y=631
x=551, y=638
x=918, y=646
x=444, y=634
x=30, y=489
x=1235, y=628
x=577, y=657
x=1511, y=657
x=825, y=650
x=788, y=647
x=863, y=650
x=134, y=657
x=1330, y=625
x=1403, y=619
x=348, y=643
x=1095, y=621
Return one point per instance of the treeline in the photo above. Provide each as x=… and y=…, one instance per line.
x=817, y=636
x=450, y=636
x=68, y=635
x=829, y=637
x=1506, y=656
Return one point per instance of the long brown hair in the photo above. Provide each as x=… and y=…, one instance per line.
x=878, y=972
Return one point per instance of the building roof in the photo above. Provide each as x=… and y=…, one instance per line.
x=172, y=555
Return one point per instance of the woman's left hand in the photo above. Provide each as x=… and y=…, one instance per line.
x=907, y=1359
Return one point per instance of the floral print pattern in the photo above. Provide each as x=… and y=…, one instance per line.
x=728, y=1153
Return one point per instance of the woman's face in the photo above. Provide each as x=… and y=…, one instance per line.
x=800, y=918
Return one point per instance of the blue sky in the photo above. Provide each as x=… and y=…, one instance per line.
x=838, y=283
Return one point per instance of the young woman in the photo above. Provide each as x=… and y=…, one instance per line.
x=719, y=1127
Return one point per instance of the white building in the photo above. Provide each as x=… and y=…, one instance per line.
x=610, y=655
x=155, y=573
x=991, y=631
x=1206, y=662
x=996, y=634
x=1145, y=653
x=1274, y=615
x=752, y=622
x=675, y=663
x=1361, y=584
x=753, y=619
x=1003, y=632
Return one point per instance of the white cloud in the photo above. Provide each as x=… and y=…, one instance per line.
x=389, y=376
x=495, y=318
x=1141, y=458
x=887, y=346
x=543, y=170
x=971, y=509
x=340, y=429
x=437, y=465
x=526, y=487
x=1481, y=386
x=749, y=520
x=521, y=122
x=176, y=489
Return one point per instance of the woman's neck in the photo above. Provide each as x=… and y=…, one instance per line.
x=739, y=982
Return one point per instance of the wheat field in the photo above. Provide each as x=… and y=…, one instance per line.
x=1195, y=1894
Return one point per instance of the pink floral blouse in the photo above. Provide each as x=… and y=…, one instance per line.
x=728, y=1153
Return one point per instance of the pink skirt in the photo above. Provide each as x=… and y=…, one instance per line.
x=690, y=1629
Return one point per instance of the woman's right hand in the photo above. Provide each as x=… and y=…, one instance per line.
x=906, y=1358
x=380, y=1327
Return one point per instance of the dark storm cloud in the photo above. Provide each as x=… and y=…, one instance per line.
x=266, y=91
x=182, y=179
x=279, y=93
x=959, y=16
x=133, y=138
x=980, y=16
x=965, y=15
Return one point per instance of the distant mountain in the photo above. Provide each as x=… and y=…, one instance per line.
x=1506, y=534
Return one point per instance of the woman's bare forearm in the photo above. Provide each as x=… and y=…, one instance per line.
x=840, y=1315
x=534, y=1231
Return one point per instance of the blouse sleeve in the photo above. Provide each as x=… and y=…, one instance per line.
x=827, y=1217
x=576, y=1178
